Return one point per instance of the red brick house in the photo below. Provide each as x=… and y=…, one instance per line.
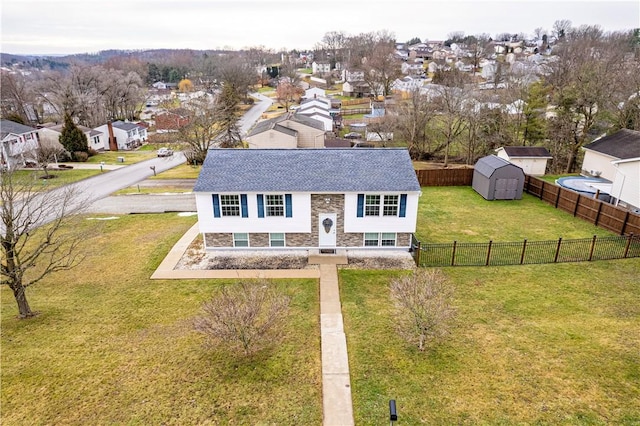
x=172, y=120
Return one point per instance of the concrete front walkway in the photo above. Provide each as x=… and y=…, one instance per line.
x=337, y=406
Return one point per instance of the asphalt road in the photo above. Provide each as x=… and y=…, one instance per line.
x=253, y=115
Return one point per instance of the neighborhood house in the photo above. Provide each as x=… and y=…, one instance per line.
x=324, y=199
x=616, y=158
x=18, y=144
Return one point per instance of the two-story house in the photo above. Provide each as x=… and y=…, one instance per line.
x=18, y=144
x=123, y=135
x=323, y=199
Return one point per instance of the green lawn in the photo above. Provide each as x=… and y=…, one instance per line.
x=183, y=171
x=113, y=347
x=130, y=157
x=62, y=177
x=547, y=344
x=459, y=213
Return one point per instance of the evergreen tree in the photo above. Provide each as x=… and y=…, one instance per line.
x=73, y=139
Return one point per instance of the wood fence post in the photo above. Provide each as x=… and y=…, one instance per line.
x=626, y=248
x=575, y=208
x=624, y=223
x=453, y=254
x=598, y=213
x=524, y=247
x=555, y=259
x=488, y=253
x=558, y=196
x=593, y=246
x=542, y=189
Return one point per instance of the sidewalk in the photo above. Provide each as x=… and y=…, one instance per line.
x=337, y=406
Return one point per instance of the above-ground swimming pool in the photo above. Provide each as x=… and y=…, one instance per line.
x=587, y=185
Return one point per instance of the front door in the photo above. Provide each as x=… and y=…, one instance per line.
x=327, y=230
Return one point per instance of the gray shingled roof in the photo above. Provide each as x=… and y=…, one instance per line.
x=263, y=126
x=307, y=170
x=527, y=151
x=8, y=126
x=623, y=144
x=486, y=166
x=125, y=126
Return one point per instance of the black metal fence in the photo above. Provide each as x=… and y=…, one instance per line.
x=526, y=252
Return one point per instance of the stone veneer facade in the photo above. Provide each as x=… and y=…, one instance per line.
x=300, y=240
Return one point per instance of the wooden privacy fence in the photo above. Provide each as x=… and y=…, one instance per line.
x=445, y=177
x=585, y=207
x=526, y=252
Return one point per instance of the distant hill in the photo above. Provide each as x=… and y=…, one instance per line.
x=63, y=61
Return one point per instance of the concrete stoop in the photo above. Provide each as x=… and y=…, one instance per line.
x=337, y=258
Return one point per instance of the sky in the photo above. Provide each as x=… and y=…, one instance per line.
x=88, y=26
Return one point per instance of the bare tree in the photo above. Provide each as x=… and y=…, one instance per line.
x=246, y=316
x=202, y=130
x=410, y=118
x=333, y=42
x=288, y=92
x=16, y=95
x=46, y=153
x=584, y=80
x=560, y=29
x=452, y=102
x=37, y=237
x=423, y=307
x=382, y=68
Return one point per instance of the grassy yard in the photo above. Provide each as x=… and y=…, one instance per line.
x=548, y=344
x=113, y=347
x=62, y=177
x=130, y=157
x=184, y=171
x=449, y=214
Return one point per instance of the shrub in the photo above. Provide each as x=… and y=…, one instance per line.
x=246, y=316
x=80, y=156
x=423, y=309
x=92, y=152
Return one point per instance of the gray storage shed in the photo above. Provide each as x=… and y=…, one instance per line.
x=497, y=179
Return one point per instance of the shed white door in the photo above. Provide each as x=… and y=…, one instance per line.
x=506, y=189
x=327, y=229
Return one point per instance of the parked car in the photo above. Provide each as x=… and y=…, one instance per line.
x=165, y=152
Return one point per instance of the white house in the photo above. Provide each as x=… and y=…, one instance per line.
x=18, y=143
x=531, y=159
x=616, y=158
x=318, y=114
x=95, y=138
x=127, y=135
x=314, y=92
x=321, y=67
x=307, y=199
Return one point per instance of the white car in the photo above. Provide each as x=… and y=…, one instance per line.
x=165, y=152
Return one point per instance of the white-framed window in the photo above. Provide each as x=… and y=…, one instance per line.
x=230, y=205
x=276, y=239
x=274, y=205
x=96, y=140
x=390, y=207
x=388, y=239
x=240, y=239
x=371, y=239
x=377, y=239
x=372, y=205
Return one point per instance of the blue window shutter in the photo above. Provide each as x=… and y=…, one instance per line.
x=403, y=205
x=360, y=205
x=216, y=205
x=243, y=205
x=260, y=205
x=287, y=205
